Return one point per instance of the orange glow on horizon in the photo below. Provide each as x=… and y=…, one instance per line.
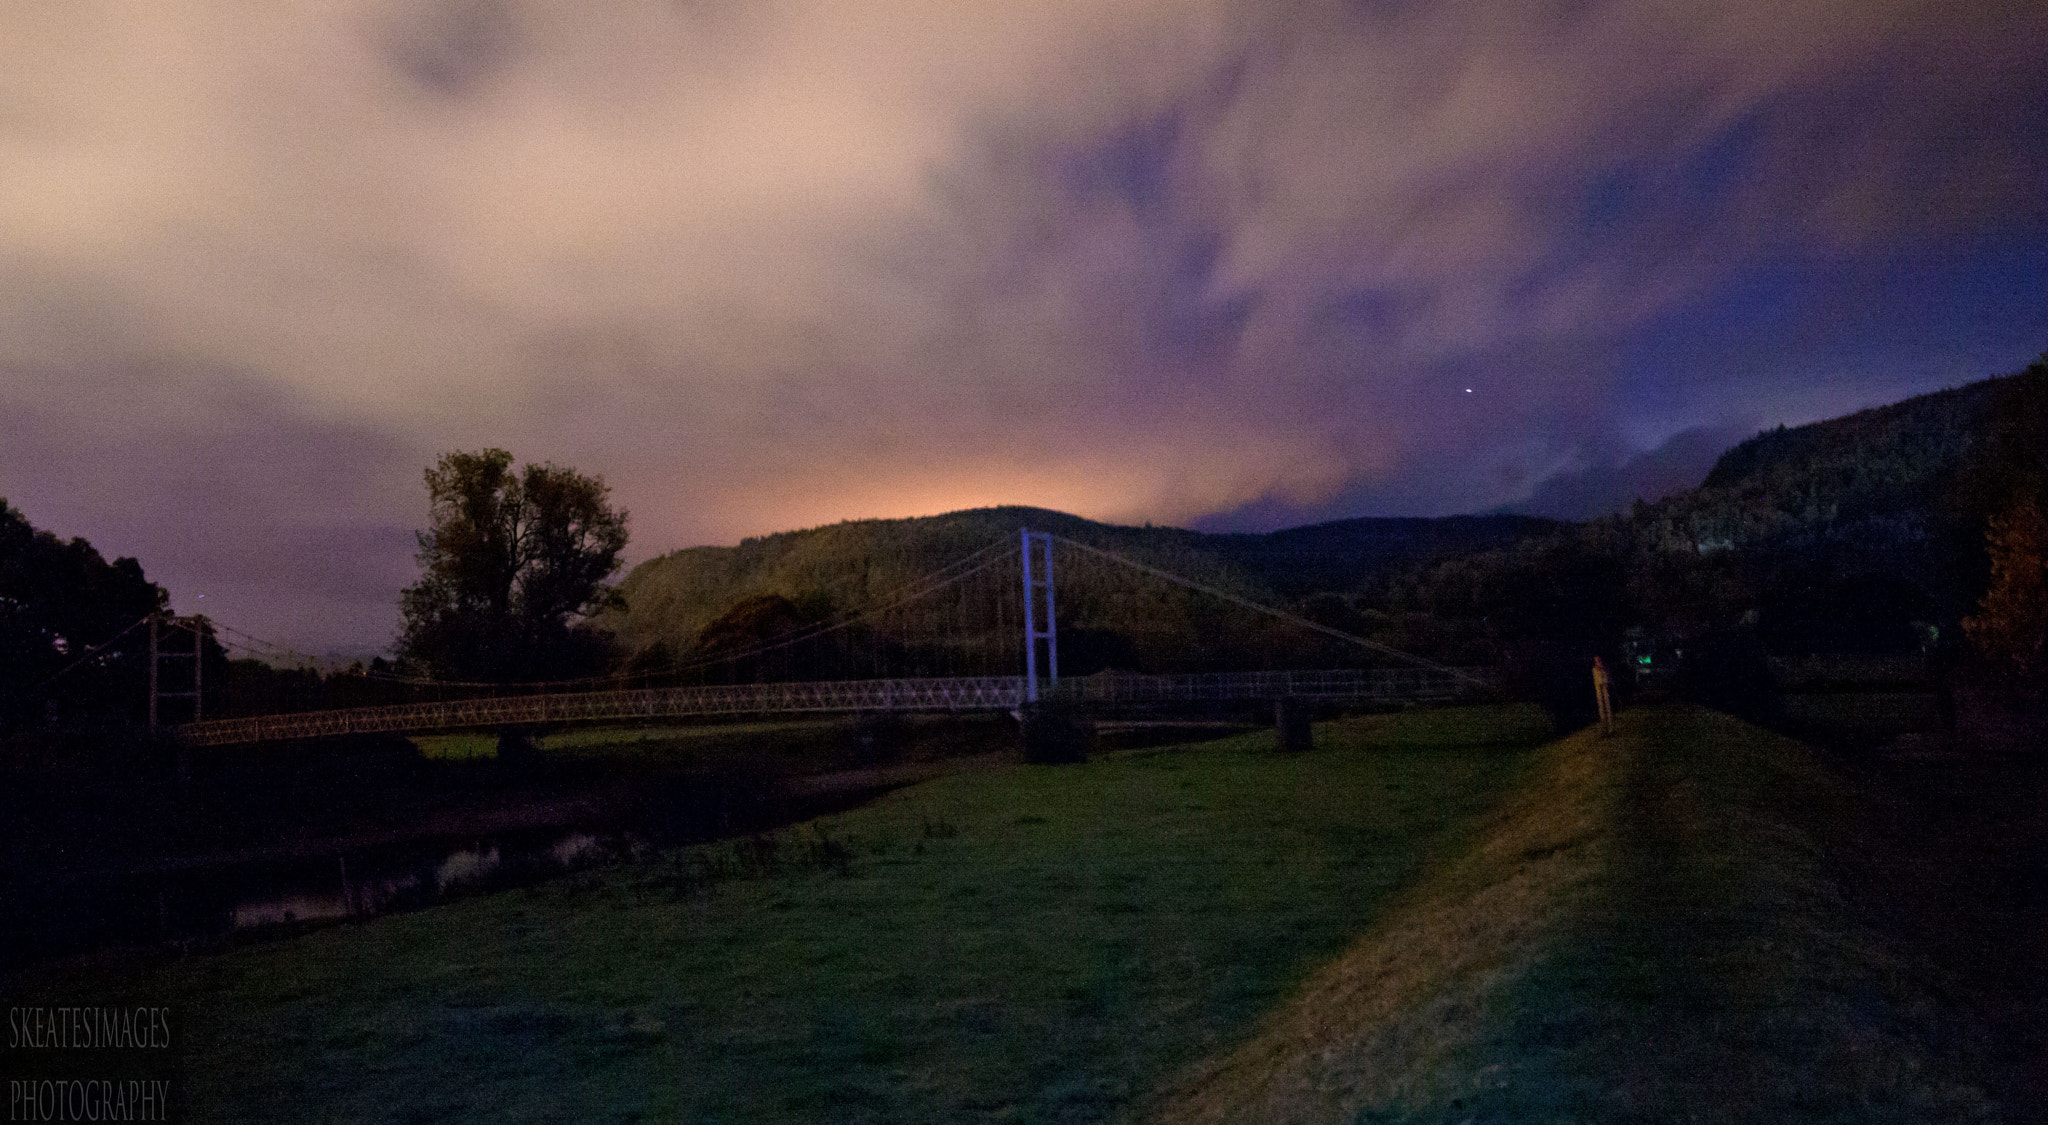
x=1168, y=486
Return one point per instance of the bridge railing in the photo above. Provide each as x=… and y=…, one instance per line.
x=1358, y=685
x=959, y=693
x=966, y=693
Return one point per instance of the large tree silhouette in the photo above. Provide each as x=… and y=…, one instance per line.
x=512, y=567
x=59, y=602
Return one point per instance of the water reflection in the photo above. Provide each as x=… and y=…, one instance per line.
x=368, y=884
x=466, y=868
x=290, y=908
x=191, y=901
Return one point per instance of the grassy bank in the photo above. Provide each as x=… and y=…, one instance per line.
x=1653, y=929
x=1035, y=943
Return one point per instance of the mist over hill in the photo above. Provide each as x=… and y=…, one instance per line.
x=1604, y=488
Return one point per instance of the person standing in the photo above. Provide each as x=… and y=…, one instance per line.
x=1601, y=682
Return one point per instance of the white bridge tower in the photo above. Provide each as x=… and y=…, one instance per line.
x=1032, y=633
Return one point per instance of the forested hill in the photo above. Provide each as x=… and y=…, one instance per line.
x=1343, y=554
x=1886, y=460
x=1889, y=489
x=842, y=567
x=1862, y=533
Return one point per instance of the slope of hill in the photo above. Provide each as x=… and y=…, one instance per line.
x=847, y=566
x=1606, y=487
x=1337, y=556
x=1872, y=477
x=1864, y=533
x=1887, y=505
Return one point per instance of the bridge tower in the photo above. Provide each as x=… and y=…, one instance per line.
x=158, y=654
x=1032, y=633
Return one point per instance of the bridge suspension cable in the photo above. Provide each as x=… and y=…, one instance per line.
x=903, y=596
x=93, y=651
x=1271, y=611
x=230, y=637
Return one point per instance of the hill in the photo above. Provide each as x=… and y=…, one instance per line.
x=846, y=567
x=1864, y=533
x=1873, y=481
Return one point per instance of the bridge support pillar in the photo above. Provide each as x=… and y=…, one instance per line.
x=1056, y=732
x=1292, y=716
x=1032, y=633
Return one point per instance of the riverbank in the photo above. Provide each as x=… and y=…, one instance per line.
x=1032, y=942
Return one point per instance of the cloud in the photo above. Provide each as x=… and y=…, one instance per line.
x=768, y=264
x=285, y=526
x=1612, y=483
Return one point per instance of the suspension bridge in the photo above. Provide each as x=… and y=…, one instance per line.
x=979, y=634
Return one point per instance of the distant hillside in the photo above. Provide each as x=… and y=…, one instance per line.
x=1872, y=490
x=1864, y=533
x=1342, y=554
x=672, y=598
x=1875, y=472
x=1810, y=529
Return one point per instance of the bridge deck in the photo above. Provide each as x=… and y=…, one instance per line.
x=957, y=693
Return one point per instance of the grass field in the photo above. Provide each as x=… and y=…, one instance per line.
x=1027, y=944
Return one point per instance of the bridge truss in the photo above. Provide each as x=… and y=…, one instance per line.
x=1371, y=686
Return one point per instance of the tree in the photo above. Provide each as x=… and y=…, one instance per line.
x=60, y=600
x=512, y=568
x=2011, y=629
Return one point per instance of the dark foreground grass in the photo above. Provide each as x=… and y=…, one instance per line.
x=1026, y=944
x=1654, y=928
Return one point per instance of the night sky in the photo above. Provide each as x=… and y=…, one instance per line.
x=767, y=264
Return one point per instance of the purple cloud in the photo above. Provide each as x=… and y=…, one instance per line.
x=764, y=266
